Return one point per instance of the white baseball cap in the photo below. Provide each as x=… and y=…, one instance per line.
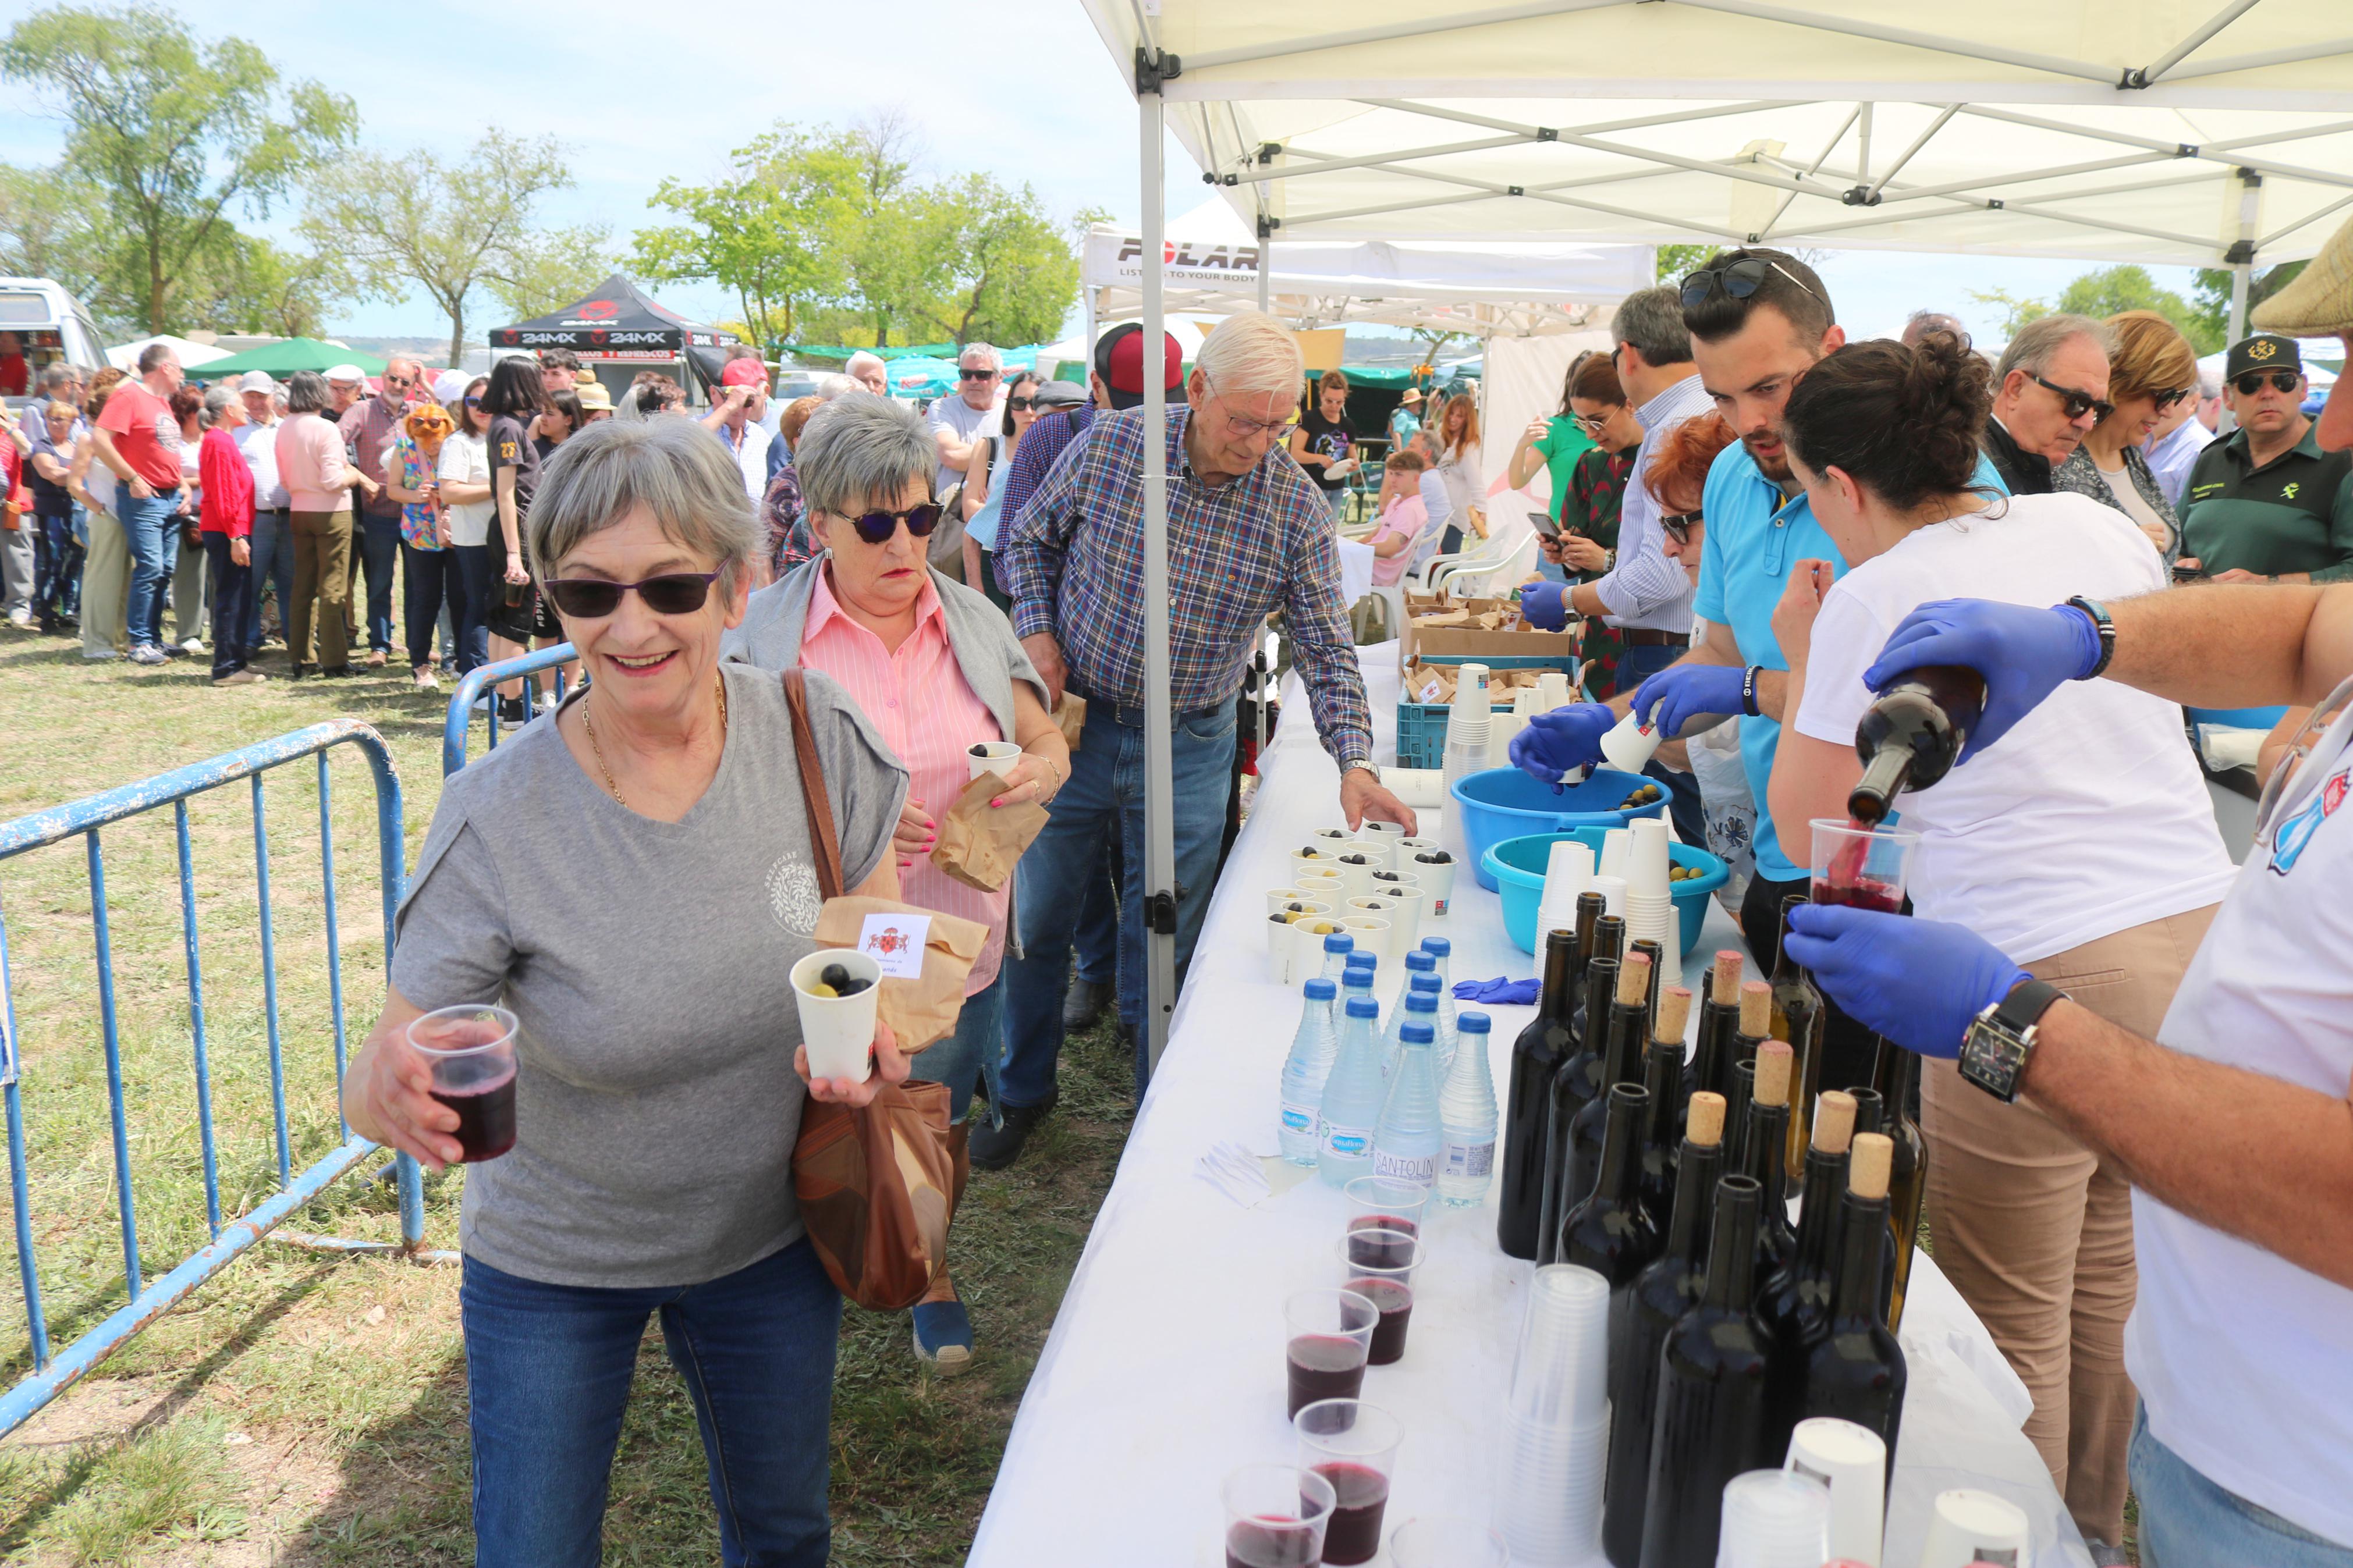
x=346, y=372
x=255, y=380
x=450, y=387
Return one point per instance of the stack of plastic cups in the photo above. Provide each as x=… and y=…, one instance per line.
x=1556, y=1428
x=1774, y=1519
x=1504, y=726
x=1551, y=691
x=1567, y=872
x=1612, y=889
x=1467, y=728
x=1650, y=902
x=1614, y=843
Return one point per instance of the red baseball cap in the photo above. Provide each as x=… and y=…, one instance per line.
x=743, y=373
x=1119, y=360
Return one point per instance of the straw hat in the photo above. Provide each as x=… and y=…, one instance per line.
x=2319, y=303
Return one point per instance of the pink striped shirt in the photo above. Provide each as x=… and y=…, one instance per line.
x=928, y=714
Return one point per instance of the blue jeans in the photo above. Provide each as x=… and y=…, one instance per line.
x=971, y=1054
x=57, y=580
x=482, y=569
x=1106, y=789
x=151, y=528
x=547, y=1376
x=379, y=548
x=273, y=548
x=2187, y=1521
x=428, y=578
x=1636, y=666
x=1097, y=938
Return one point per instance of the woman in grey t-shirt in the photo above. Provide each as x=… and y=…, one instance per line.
x=633, y=877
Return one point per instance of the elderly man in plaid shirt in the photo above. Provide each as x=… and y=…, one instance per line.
x=1249, y=534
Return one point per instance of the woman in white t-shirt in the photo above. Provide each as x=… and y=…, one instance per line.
x=2083, y=845
x=464, y=477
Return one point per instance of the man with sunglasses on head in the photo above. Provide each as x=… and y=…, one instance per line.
x=2265, y=504
x=369, y=427
x=1249, y=534
x=2050, y=389
x=959, y=421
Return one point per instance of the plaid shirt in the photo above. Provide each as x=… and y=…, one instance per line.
x=1073, y=562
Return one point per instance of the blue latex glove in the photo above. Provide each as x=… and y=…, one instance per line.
x=1674, y=696
x=1565, y=738
x=2024, y=654
x=1919, y=982
x=1545, y=605
x=1502, y=991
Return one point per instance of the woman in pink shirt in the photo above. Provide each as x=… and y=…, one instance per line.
x=936, y=668
x=226, y=520
x=318, y=484
x=1404, y=516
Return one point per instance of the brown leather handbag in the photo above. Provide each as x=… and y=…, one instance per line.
x=878, y=1184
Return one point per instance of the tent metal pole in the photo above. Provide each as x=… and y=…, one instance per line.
x=2219, y=152
x=1862, y=146
x=1911, y=152
x=2262, y=57
x=2057, y=65
x=1160, y=891
x=2267, y=241
x=2239, y=286
x=2187, y=47
x=1533, y=133
x=1334, y=166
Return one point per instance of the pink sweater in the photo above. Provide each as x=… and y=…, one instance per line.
x=310, y=465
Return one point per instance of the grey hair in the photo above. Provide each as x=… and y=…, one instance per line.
x=851, y=365
x=218, y=398
x=985, y=350
x=1653, y=321
x=2210, y=382
x=673, y=467
x=155, y=355
x=857, y=450
x=829, y=387
x=1249, y=351
x=1920, y=323
x=2036, y=343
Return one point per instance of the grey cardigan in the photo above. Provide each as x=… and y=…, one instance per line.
x=978, y=634
x=2083, y=475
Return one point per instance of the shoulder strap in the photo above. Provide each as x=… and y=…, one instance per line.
x=822, y=842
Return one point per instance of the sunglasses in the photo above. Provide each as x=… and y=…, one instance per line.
x=593, y=598
x=1591, y=423
x=2076, y=404
x=399, y=380
x=877, y=527
x=2253, y=381
x=473, y=403
x=968, y=375
x=1677, y=525
x=1021, y=405
x=1736, y=281
x=2165, y=400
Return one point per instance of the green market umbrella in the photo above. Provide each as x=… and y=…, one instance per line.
x=283, y=358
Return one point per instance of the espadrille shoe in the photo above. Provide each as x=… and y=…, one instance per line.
x=2319, y=303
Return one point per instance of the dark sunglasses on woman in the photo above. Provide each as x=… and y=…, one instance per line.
x=1677, y=525
x=2165, y=400
x=593, y=598
x=877, y=527
x=2253, y=381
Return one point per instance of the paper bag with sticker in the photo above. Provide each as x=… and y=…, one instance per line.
x=1070, y=718
x=979, y=843
x=925, y=955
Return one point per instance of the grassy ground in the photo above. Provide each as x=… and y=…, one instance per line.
x=300, y=1410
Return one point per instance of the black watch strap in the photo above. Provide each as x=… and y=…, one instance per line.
x=2104, y=627
x=2024, y=1006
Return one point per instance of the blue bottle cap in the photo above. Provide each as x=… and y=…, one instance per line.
x=1362, y=1007
x=1430, y=983
x=1472, y=1023
x=1416, y=1034
x=1437, y=946
x=1421, y=962
x=1339, y=941
x=1360, y=959
x=1355, y=976
x=1321, y=990
x=1419, y=1000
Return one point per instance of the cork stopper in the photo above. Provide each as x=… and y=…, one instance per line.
x=1633, y=980
x=1674, y=1013
x=1706, y=1126
x=1867, y=1166
x=1755, y=1010
x=1834, y=1120
x=1724, y=981
x=1773, y=1060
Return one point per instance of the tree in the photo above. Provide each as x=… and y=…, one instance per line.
x=767, y=231
x=2211, y=296
x=1007, y=272
x=247, y=284
x=2016, y=311
x=54, y=227
x=2114, y=290
x=546, y=269
x=169, y=135
x=450, y=229
x=1675, y=260
x=889, y=237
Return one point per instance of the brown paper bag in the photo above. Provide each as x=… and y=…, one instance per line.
x=1070, y=717
x=978, y=843
x=919, y=1010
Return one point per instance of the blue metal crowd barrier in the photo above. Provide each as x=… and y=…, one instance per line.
x=471, y=688
x=149, y=1299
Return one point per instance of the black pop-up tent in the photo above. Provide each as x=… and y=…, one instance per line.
x=617, y=331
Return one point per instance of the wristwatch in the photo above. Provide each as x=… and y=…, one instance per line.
x=2104, y=627
x=2000, y=1041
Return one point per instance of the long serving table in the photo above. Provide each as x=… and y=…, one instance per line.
x=1165, y=1369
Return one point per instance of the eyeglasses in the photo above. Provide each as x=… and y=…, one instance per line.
x=2165, y=400
x=966, y=372
x=2077, y=403
x=1591, y=423
x=877, y=527
x=593, y=598
x=1021, y=405
x=1236, y=425
x=2253, y=381
x=400, y=381
x=1737, y=280
x=1679, y=525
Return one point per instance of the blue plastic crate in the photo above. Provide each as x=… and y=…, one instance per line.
x=1421, y=733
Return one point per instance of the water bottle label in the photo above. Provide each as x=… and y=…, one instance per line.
x=1298, y=1118
x=1347, y=1143
x=1469, y=1161
x=1419, y=1168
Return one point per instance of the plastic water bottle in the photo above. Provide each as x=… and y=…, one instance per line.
x=1337, y=946
x=1356, y=982
x=1313, y=1049
x=1351, y=1108
x=1466, y=1117
x=1439, y=950
x=1417, y=964
x=1405, y=1145
x=1418, y=1005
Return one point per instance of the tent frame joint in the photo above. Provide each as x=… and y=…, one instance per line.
x=1154, y=68
x=1267, y=224
x=1160, y=912
x=2241, y=254
x=1859, y=196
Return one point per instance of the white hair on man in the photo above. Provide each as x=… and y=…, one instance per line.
x=1250, y=351
x=980, y=356
x=829, y=387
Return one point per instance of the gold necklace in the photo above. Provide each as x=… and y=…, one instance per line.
x=588, y=723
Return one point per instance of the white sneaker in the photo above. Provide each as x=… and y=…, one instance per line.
x=21, y=618
x=194, y=644
x=242, y=678
x=424, y=680
x=147, y=653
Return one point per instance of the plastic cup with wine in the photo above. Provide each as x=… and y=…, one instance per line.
x=1864, y=867
x=1380, y=1202
x=1446, y=1541
x=1378, y=1265
x=1353, y=1445
x=470, y=1052
x=1331, y=1333
x=1276, y=1517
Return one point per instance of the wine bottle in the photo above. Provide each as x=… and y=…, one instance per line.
x=1536, y=1055
x=1593, y=1003
x=1736, y=1114
x=1577, y=1085
x=1897, y=1078
x=1663, y=1075
x=1798, y=1011
x=1912, y=734
x=1854, y=1367
x=1639, y=1322
x=1719, y=1015
x=1798, y=1305
x=1713, y=1371
x=1754, y=1027
x=1622, y=1063
x=1611, y=1232
x=1590, y=907
x=1657, y=953
x=1769, y=1114
x=1867, y=1108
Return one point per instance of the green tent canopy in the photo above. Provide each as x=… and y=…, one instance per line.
x=283, y=358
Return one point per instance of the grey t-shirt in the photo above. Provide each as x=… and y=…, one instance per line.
x=960, y=418
x=656, y=1103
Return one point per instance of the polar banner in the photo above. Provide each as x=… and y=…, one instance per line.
x=1118, y=258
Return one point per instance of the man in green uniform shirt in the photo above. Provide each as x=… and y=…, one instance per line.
x=2267, y=504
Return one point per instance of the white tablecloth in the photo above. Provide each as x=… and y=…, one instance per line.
x=1165, y=1369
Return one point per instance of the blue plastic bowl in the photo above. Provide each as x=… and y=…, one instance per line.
x=1504, y=803
x=1517, y=866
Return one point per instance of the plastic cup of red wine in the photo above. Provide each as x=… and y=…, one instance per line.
x=1862, y=868
x=1354, y=1446
x=1446, y=1541
x=1378, y=1265
x=1276, y=1517
x=1330, y=1334
x=469, y=1050
x=1379, y=1203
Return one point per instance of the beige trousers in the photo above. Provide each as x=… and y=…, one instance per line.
x=2035, y=1230
x=105, y=587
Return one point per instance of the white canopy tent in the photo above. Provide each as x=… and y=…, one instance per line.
x=2192, y=132
x=125, y=357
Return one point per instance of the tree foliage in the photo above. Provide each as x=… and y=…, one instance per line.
x=766, y=231
x=2211, y=296
x=2108, y=292
x=1675, y=260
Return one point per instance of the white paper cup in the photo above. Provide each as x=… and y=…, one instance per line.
x=1774, y=1519
x=1402, y=921
x=992, y=757
x=1852, y=1462
x=839, y=1030
x=1646, y=857
x=1551, y=691
x=1384, y=836
x=1970, y=1526
x=1278, y=897
x=1470, y=689
x=1307, y=944
x=1409, y=847
x=1372, y=935
x=1355, y=868
x=1333, y=840
x=1612, y=890
x=1394, y=884
x=1630, y=745
x=1437, y=883
x=1308, y=862
x=1568, y=866
x=1615, y=844
x=1324, y=887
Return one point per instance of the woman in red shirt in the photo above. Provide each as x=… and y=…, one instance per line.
x=228, y=527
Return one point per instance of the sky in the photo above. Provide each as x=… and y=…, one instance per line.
x=1023, y=90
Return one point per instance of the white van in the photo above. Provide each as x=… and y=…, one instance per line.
x=47, y=324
